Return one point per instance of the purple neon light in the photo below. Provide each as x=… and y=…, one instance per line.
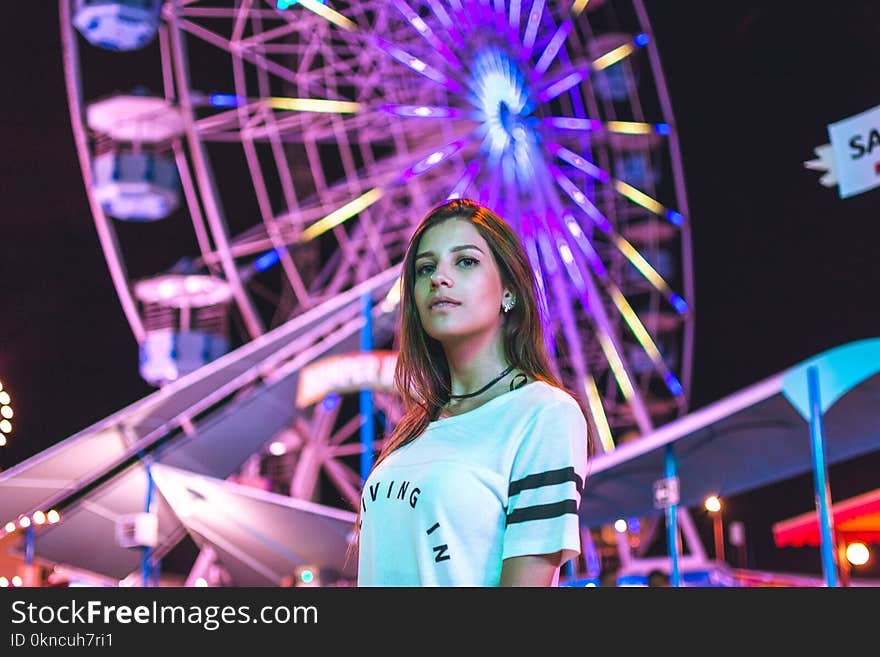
x=580, y=238
x=572, y=267
x=572, y=123
x=552, y=49
x=417, y=65
x=421, y=111
x=577, y=161
x=579, y=198
x=563, y=84
x=462, y=184
x=440, y=12
x=532, y=24
x=573, y=230
x=427, y=33
x=432, y=160
x=528, y=239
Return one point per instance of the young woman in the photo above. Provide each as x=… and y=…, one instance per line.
x=480, y=482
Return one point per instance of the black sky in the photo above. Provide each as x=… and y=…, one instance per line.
x=783, y=267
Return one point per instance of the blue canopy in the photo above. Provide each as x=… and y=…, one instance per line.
x=749, y=439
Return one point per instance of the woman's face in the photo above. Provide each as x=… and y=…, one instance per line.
x=455, y=262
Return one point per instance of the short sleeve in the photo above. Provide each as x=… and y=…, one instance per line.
x=546, y=484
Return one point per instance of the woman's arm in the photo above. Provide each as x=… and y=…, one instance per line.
x=531, y=570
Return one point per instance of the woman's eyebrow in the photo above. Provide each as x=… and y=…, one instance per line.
x=460, y=247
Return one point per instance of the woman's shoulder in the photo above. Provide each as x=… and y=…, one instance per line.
x=544, y=399
x=549, y=394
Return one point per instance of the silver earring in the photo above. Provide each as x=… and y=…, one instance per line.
x=508, y=305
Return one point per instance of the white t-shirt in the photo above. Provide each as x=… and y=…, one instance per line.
x=503, y=480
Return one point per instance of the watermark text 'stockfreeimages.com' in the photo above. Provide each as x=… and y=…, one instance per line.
x=208, y=617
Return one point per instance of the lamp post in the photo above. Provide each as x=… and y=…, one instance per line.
x=713, y=505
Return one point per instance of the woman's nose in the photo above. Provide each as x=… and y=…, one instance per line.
x=438, y=278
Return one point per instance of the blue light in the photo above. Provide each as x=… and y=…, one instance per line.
x=223, y=100
x=674, y=217
x=330, y=402
x=641, y=39
x=673, y=384
x=266, y=260
x=662, y=128
x=307, y=576
x=678, y=303
x=285, y=4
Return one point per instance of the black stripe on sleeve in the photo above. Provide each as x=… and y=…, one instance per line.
x=546, y=478
x=542, y=512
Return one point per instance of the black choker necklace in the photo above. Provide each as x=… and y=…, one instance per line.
x=485, y=387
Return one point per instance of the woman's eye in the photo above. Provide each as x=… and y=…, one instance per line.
x=423, y=270
x=468, y=262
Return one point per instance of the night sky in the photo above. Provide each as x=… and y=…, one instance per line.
x=783, y=267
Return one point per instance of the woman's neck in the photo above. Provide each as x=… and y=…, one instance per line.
x=472, y=366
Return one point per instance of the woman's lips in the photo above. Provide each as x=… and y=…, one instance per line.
x=444, y=305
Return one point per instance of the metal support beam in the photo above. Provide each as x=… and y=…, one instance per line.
x=820, y=480
x=671, y=468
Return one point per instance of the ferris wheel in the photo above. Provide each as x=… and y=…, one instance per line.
x=283, y=152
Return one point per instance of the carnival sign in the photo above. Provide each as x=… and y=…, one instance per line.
x=852, y=159
x=368, y=370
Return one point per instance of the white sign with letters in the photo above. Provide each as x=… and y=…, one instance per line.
x=666, y=492
x=852, y=159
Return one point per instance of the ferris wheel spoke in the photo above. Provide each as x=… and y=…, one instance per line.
x=591, y=301
x=563, y=305
x=274, y=234
x=551, y=50
x=446, y=21
x=345, y=431
x=416, y=64
x=624, y=189
x=533, y=22
x=645, y=340
x=579, y=198
x=425, y=31
x=598, y=415
x=329, y=14
x=626, y=311
x=651, y=275
x=347, y=481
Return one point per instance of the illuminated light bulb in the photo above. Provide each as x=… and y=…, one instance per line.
x=857, y=554
x=6, y=411
x=277, y=448
x=53, y=516
x=10, y=527
x=620, y=525
x=4, y=397
x=4, y=582
x=713, y=504
x=5, y=426
x=16, y=580
x=566, y=254
x=167, y=290
x=2, y=440
x=200, y=582
x=24, y=521
x=39, y=517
